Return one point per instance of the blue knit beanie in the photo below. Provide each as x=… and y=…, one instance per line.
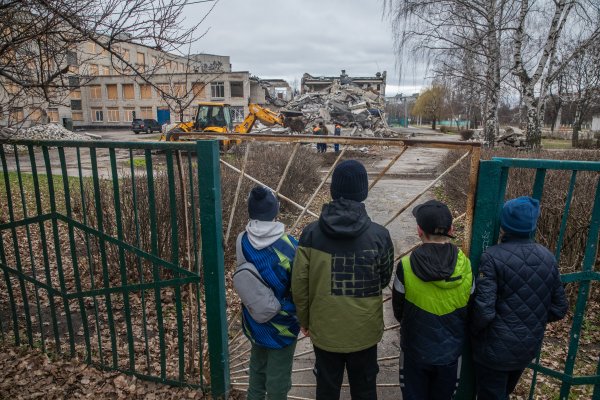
x=520, y=215
x=262, y=204
x=350, y=181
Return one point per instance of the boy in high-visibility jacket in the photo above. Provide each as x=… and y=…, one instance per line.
x=431, y=292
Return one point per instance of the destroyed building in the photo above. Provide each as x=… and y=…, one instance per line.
x=375, y=83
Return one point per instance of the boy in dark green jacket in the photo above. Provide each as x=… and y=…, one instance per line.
x=343, y=262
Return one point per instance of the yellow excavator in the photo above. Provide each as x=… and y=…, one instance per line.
x=215, y=117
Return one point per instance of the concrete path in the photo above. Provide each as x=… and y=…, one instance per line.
x=408, y=177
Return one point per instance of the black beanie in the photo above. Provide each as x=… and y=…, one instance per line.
x=350, y=181
x=262, y=204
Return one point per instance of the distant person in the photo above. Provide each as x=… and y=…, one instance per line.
x=343, y=262
x=518, y=292
x=337, y=132
x=265, y=255
x=429, y=298
x=325, y=132
x=318, y=132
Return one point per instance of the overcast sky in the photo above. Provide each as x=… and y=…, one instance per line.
x=286, y=38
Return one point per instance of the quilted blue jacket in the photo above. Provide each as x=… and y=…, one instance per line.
x=518, y=291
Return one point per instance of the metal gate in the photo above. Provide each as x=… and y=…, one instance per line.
x=101, y=248
x=491, y=190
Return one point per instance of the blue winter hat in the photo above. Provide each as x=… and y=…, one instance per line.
x=520, y=215
x=262, y=204
x=350, y=181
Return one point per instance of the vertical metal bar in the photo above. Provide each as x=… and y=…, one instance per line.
x=30, y=247
x=74, y=259
x=501, y=198
x=16, y=249
x=591, y=250
x=175, y=260
x=538, y=184
x=565, y=217
x=138, y=243
x=155, y=268
x=470, y=211
x=387, y=167
x=102, y=245
x=84, y=212
x=42, y=228
x=122, y=263
x=211, y=224
x=196, y=287
x=57, y=250
x=11, y=297
x=484, y=231
x=318, y=189
x=237, y=193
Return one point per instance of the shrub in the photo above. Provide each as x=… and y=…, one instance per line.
x=443, y=129
x=466, y=134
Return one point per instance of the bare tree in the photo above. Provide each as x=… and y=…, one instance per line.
x=456, y=33
x=537, y=67
x=41, y=43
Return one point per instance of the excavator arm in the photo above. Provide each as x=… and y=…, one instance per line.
x=264, y=115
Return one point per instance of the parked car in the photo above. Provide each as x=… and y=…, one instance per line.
x=145, y=125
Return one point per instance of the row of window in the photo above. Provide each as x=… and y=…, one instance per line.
x=18, y=114
x=114, y=114
x=146, y=92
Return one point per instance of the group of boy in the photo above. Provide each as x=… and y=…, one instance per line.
x=321, y=130
x=330, y=288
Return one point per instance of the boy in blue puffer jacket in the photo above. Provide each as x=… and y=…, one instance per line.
x=265, y=244
x=518, y=291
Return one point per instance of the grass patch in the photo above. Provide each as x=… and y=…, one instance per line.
x=556, y=144
x=138, y=162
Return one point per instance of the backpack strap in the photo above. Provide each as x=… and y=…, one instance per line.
x=239, y=253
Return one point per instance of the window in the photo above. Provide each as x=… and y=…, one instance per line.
x=128, y=114
x=237, y=89
x=71, y=58
x=154, y=61
x=111, y=92
x=217, y=90
x=141, y=58
x=179, y=89
x=113, y=115
x=198, y=89
x=128, y=93
x=93, y=69
x=237, y=114
x=16, y=114
x=145, y=92
x=95, y=92
x=35, y=115
x=53, y=114
x=105, y=70
x=97, y=115
x=76, y=94
x=146, y=112
x=125, y=54
x=163, y=88
x=76, y=105
x=77, y=116
x=74, y=69
x=74, y=81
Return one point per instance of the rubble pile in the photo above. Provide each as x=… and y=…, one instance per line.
x=513, y=137
x=40, y=132
x=347, y=105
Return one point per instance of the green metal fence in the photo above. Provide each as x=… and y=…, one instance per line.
x=112, y=251
x=492, y=186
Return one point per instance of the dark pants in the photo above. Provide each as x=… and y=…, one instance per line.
x=321, y=147
x=427, y=382
x=270, y=372
x=492, y=384
x=362, y=371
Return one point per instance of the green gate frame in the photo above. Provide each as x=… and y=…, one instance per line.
x=210, y=222
x=491, y=190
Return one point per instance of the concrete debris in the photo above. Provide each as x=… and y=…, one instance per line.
x=513, y=137
x=40, y=132
x=347, y=105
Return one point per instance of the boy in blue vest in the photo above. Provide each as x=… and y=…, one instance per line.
x=430, y=296
x=265, y=244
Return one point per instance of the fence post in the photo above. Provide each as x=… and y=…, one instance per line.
x=211, y=225
x=484, y=234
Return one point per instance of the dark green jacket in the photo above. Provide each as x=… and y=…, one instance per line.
x=343, y=262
